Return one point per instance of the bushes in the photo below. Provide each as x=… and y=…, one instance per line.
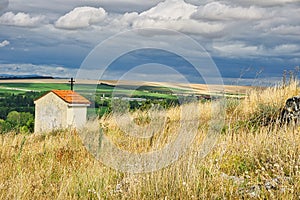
x=17, y=102
x=20, y=122
x=265, y=114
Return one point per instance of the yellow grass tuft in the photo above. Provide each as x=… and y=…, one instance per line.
x=250, y=159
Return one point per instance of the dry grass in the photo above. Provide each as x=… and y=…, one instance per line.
x=250, y=160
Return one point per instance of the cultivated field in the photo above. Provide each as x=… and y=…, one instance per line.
x=255, y=157
x=48, y=84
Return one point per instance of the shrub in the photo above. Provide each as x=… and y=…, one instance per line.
x=266, y=114
x=17, y=121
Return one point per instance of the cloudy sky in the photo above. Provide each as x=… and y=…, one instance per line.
x=246, y=39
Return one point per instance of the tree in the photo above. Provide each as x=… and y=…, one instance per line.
x=13, y=118
x=2, y=125
x=18, y=121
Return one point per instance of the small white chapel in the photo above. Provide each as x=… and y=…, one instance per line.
x=59, y=109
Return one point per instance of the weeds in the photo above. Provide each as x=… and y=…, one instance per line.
x=265, y=115
x=253, y=158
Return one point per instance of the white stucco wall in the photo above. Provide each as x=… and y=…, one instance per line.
x=50, y=113
x=76, y=116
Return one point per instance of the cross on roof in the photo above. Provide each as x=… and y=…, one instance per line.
x=72, y=81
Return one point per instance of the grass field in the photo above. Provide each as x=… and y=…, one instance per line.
x=142, y=88
x=85, y=89
x=249, y=160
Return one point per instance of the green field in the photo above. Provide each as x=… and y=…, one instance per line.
x=39, y=87
x=101, y=95
x=88, y=89
x=12, y=95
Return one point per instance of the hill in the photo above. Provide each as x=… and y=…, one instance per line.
x=198, y=88
x=16, y=77
x=254, y=157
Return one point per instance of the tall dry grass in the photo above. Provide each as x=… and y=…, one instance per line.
x=250, y=160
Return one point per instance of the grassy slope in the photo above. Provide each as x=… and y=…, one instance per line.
x=248, y=161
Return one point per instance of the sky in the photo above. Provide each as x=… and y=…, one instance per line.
x=246, y=41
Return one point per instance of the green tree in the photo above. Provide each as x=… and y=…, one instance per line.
x=19, y=122
x=13, y=118
x=2, y=125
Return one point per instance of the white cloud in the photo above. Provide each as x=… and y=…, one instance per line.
x=21, y=19
x=122, y=6
x=81, y=17
x=170, y=10
x=42, y=70
x=281, y=19
x=240, y=49
x=219, y=11
x=237, y=49
x=286, y=49
x=286, y=30
x=269, y=3
x=4, y=43
x=186, y=26
x=171, y=14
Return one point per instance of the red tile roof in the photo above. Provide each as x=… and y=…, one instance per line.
x=71, y=97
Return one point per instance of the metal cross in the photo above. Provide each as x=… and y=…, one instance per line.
x=72, y=81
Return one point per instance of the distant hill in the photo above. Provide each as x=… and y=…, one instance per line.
x=29, y=76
